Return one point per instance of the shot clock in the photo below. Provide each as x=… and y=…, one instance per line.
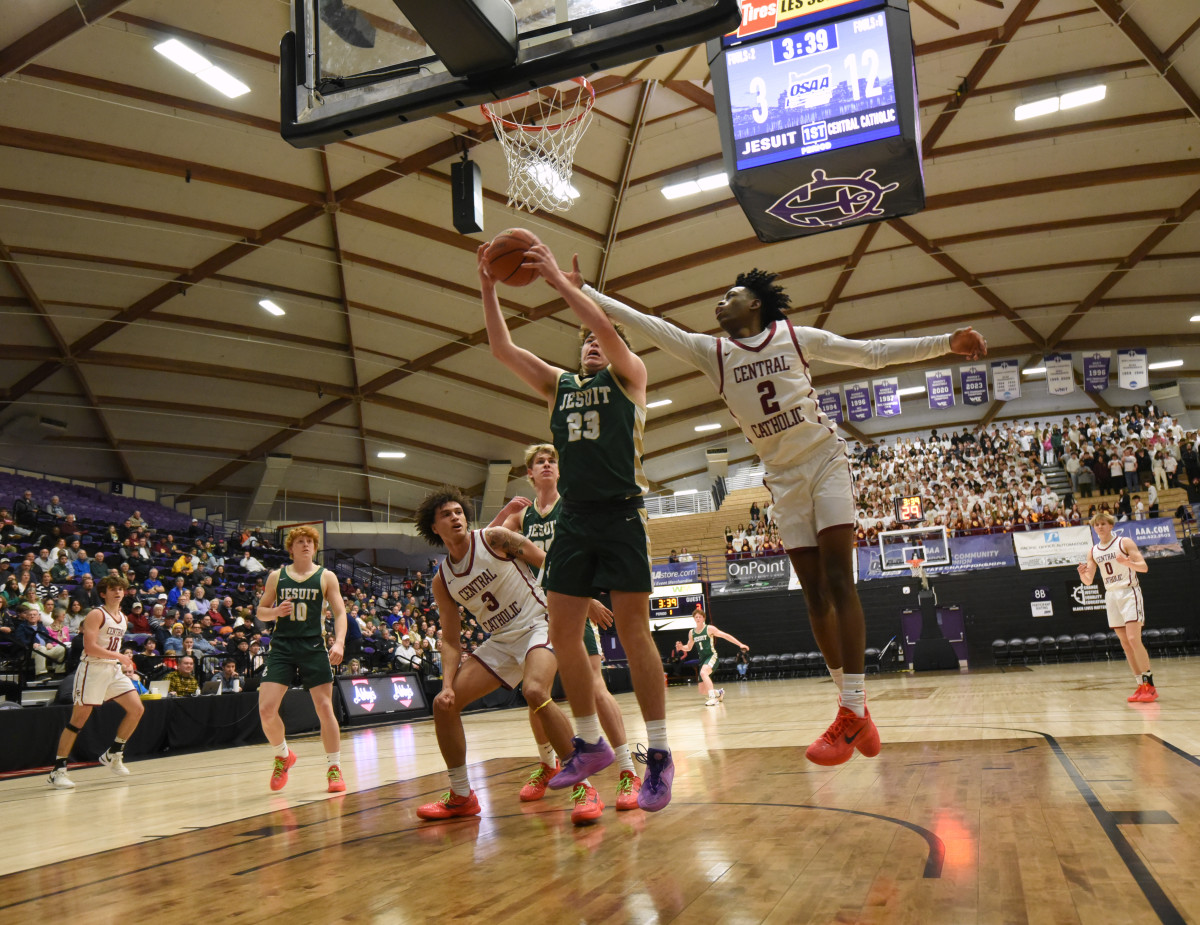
x=909, y=510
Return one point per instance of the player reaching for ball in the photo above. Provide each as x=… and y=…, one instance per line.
x=761, y=369
x=596, y=416
x=1119, y=561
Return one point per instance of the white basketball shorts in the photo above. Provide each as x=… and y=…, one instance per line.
x=814, y=495
x=97, y=682
x=1124, y=605
x=505, y=657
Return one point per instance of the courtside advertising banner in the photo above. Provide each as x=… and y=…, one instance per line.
x=675, y=573
x=973, y=383
x=1060, y=374
x=887, y=396
x=1155, y=537
x=858, y=401
x=1052, y=548
x=1095, y=370
x=1006, y=379
x=763, y=573
x=1131, y=368
x=939, y=383
x=831, y=404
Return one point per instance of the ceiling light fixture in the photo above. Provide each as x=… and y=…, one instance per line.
x=1068, y=100
x=390, y=454
x=271, y=307
x=1033, y=370
x=658, y=404
x=911, y=390
x=195, y=63
x=1166, y=364
x=687, y=491
x=1195, y=319
x=699, y=185
x=702, y=427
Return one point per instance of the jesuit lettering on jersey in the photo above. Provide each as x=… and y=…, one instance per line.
x=541, y=535
x=482, y=580
x=299, y=594
x=751, y=371
x=585, y=398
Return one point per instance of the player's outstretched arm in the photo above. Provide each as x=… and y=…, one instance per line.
x=333, y=596
x=685, y=647
x=1087, y=570
x=875, y=354
x=515, y=546
x=737, y=642
x=529, y=368
x=510, y=516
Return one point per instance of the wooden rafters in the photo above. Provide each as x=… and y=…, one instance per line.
x=864, y=242
x=1156, y=59
x=614, y=219
x=78, y=15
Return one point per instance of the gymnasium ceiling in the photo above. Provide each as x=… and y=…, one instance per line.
x=142, y=216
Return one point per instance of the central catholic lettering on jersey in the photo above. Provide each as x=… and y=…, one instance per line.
x=496, y=590
x=749, y=371
x=492, y=617
x=1115, y=574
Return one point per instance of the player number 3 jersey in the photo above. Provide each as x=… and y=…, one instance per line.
x=501, y=593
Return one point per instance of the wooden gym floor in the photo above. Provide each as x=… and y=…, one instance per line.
x=1024, y=795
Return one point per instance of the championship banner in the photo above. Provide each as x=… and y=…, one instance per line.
x=674, y=573
x=973, y=383
x=1006, y=379
x=1052, y=548
x=1095, y=370
x=1060, y=374
x=762, y=573
x=1155, y=537
x=830, y=402
x=858, y=401
x=887, y=396
x=939, y=384
x=967, y=554
x=1131, y=368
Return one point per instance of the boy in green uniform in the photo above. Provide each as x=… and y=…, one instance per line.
x=597, y=417
x=704, y=637
x=298, y=644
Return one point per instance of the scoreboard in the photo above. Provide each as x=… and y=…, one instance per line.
x=909, y=510
x=675, y=603
x=817, y=106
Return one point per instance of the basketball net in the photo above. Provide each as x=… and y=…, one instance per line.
x=539, y=132
x=917, y=567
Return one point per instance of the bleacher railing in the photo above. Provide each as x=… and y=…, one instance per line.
x=675, y=505
x=750, y=477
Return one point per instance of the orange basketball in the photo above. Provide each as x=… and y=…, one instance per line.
x=505, y=254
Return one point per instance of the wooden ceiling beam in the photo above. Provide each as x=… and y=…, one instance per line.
x=1161, y=63
x=77, y=16
x=848, y=269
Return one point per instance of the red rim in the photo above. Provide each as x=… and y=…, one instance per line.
x=521, y=127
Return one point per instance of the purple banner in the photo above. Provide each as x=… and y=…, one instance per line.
x=939, y=383
x=830, y=402
x=973, y=383
x=1095, y=370
x=967, y=554
x=858, y=401
x=887, y=396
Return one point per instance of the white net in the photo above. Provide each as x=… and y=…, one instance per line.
x=539, y=132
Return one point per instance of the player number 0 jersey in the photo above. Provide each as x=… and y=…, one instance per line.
x=1114, y=574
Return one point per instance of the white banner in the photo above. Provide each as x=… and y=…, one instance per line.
x=1052, y=548
x=1060, y=374
x=1131, y=368
x=1006, y=380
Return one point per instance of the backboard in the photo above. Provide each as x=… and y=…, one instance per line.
x=899, y=547
x=351, y=67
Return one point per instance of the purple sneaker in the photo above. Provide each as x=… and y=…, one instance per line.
x=585, y=761
x=656, y=785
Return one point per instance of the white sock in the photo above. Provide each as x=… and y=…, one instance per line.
x=838, y=677
x=623, y=759
x=656, y=734
x=460, y=784
x=281, y=750
x=333, y=758
x=854, y=694
x=546, y=751
x=588, y=728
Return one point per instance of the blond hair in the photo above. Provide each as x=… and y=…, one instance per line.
x=304, y=530
x=1102, y=517
x=535, y=449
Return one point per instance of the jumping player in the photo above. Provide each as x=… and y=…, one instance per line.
x=761, y=369
x=298, y=644
x=1119, y=560
x=536, y=521
x=704, y=637
x=597, y=417
x=488, y=572
x=100, y=678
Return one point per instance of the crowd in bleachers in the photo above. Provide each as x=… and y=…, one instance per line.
x=992, y=481
x=759, y=536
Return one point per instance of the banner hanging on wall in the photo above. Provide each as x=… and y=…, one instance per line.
x=1052, y=548
x=887, y=396
x=1131, y=368
x=1006, y=379
x=973, y=383
x=858, y=401
x=830, y=402
x=939, y=385
x=1096, y=369
x=1060, y=374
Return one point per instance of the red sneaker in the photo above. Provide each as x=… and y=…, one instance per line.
x=535, y=788
x=279, y=773
x=848, y=732
x=450, y=806
x=1149, y=694
x=588, y=805
x=629, y=785
x=1136, y=696
x=337, y=783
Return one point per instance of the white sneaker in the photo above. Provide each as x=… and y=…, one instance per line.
x=59, y=781
x=710, y=702
x=719, y=693
x=115, y=763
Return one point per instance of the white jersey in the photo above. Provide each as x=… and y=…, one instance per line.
x=766, y=380
x=501, y=593
x=1114, y=574
x=112, y=631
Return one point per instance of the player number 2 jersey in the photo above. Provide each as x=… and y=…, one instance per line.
x=501, y=593
x=1114, y=574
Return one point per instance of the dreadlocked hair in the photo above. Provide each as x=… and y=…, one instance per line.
x=775, y=301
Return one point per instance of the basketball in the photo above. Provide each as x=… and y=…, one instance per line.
x=505, y=254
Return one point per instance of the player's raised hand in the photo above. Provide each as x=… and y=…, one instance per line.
x=541, y=258
x=1123, y=559
x=515, y=506
x=969, y=343
x=575, y=275
x=1083, y=569
x=485, y=275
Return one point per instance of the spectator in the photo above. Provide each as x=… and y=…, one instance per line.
x=136, y=521
x=46, y=588
x=32, y=635
x=82, y=566
x=200, y=603
x=229, y=681
x=176, y=592
x=152, y=584
x=42, y=564
x=60, y=571
x=673, y=557
x=55, y=508
x=685, y=556
x=183, y=680
x=25, y=511
x=406, y=657
x=86, y=594
x=251, y=564
x=174, y=643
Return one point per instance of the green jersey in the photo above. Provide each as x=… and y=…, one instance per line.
x=703, y=644
x=540, y=527
x=598, y=434
x=308, y=606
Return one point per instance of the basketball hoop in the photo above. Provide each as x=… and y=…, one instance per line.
x=539, y=132
x=917, y=566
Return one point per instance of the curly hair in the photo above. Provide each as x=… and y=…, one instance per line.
x=111, y=581
x=775, y=302
x=429, y=506
x=303, y=530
